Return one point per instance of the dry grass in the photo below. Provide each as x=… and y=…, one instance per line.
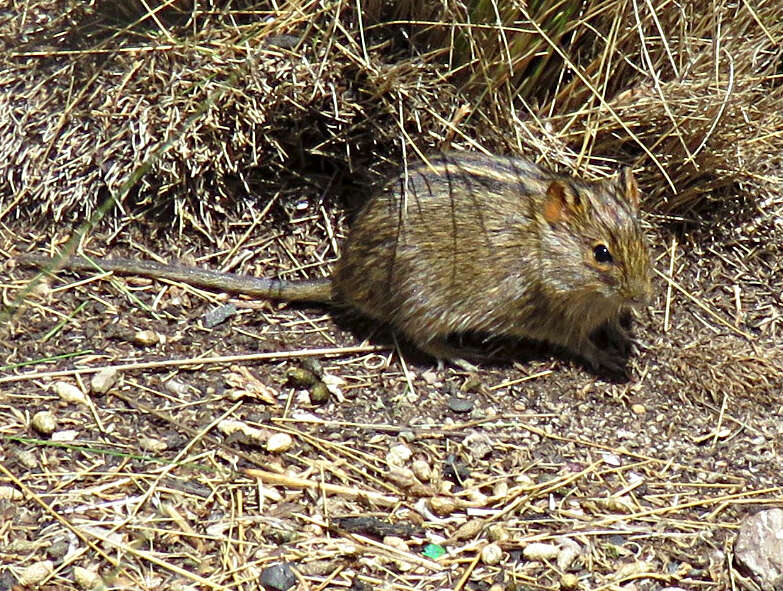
x=244, y=103
x=239, y=125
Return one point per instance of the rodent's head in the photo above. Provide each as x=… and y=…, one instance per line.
x=593, y=233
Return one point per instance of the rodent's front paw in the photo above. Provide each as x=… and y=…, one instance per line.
x=618, y=338
x=603, y=359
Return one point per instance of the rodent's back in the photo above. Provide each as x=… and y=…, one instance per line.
x=461, y=232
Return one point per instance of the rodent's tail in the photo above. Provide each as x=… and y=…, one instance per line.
x=317, y=290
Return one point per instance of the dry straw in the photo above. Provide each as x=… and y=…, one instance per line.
x=237, y=100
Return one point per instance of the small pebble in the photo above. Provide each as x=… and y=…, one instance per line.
x=638, y=409
x=70, y=393
x=44, y=422
x=407, y=436
x=103, y=381
x=9, y=493
x=422, y=470
x=26, y=458
x=401, y=476
x=430, y=377
x=312, y=364
x=219, y=315
x=500, y=489
x=498, y=533
x=334, y=384
x=301, y=377
x=491, y=554
x=460, y=405
x=396, y=542
x=540, y=551
x=319, y=394
x=479, y=445
x=35, y=573
x=525, y=481
x=398, y=455
x=175, y=387
x=442, y=505
x=66, y=435
x=147, y=338
x=279, y=577
x=569, y=581
x=152, y=444
x=57, y=550
x=41, y=288
x=279, y=442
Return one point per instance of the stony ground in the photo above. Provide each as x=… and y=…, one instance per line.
x=303, y=437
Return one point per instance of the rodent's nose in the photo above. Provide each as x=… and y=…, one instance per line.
x=639, y=292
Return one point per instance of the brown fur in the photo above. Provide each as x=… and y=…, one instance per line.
x=470, y=243
x=499, y=246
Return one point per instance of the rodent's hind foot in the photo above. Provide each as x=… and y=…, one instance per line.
x=612, y=335
x=443, y=352
x=618, y=337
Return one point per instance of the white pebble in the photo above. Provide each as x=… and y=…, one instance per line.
x=35, y=573
x=85, y=578
x=540, y=551
x=67, y=435
x=103, y=381
x=398, y=455
x=500, y=489
x=422, y=470
x=44, y=422
x=70, y=393
x=152, y=444
x=279, y=442
x=491, y=554
x=147, y=338
x=176, y=387
x=9, y=493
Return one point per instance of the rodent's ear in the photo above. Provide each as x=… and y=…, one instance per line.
x=560, y=200
x=629, y=187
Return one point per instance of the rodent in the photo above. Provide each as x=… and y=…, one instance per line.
x=470, y=243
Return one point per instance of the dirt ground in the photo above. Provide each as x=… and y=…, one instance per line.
x=635, y=483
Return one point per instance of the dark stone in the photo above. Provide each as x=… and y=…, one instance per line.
x=460, y=405
x=219, y=315
x=279, y=577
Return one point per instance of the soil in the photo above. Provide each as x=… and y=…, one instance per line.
x=647, y=478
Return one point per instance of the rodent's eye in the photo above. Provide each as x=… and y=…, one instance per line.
x=602, y=254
